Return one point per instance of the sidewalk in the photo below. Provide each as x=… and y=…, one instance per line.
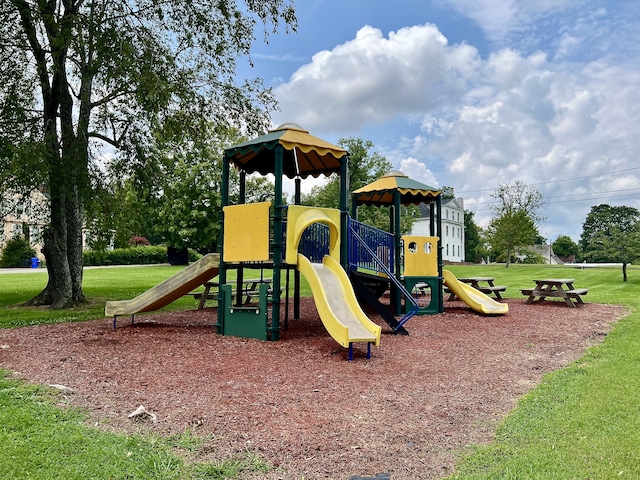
x=43, y=269
x=21, y=270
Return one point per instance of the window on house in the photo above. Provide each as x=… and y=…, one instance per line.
x=35, y=233
x=447, y=249
x=16, y=230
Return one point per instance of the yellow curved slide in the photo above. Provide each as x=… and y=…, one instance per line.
x=168, y=291
x=477, y=300
x=336, y=302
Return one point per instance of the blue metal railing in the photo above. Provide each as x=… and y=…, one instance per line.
x=379, y=241
x=380, y=265
x=314, y=243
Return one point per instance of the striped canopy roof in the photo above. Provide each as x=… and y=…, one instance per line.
x=303, y=154
x=382, y=191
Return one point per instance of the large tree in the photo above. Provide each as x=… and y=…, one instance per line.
x=516, y=216
x=611, y=234
x=92, y=72
x=365, y=167
x=472, y=239
x=564, y=246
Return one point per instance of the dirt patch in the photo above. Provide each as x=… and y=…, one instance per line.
x=297, y=402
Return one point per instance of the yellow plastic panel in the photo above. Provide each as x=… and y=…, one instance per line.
x=246, y=232
x=299, y=218
x=420, y=256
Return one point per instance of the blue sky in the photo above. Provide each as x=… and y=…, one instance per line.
x=473, y=94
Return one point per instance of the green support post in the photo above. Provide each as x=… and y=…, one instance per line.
x=344, y=212
x=296, y=273
x=398, y=249
x=277, y=244
x=222, y=273
x=440, y=264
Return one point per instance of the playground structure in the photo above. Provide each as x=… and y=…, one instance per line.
x=344, y=261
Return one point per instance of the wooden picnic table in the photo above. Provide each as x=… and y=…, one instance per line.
x=556, y=288
x=250, y=289
x=483, y=284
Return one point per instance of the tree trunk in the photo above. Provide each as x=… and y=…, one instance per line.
x=75, y=216
x=624, y=271
x=59, y=290
x=63, y=253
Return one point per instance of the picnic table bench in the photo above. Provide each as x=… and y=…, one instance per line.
x=556, y=288
x=483, y=284
x=250, y=289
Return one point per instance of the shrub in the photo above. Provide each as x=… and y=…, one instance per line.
x=151, y=255
x=17, y=253
x=126, y=256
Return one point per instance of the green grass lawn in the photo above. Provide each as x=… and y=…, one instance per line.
x=100, y=285
x=582, y=422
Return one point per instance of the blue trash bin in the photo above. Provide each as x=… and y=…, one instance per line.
x=35, y=261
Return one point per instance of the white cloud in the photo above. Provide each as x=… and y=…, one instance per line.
x=498, y=18
x=372, y=77
x=418, y=171
x=565, y=131
x=473, y=123
x=287, y=57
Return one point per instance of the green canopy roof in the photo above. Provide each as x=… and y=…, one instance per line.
x=382, y=191
x=303, y=154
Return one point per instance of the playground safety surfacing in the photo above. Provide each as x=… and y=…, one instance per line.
x=296, y=403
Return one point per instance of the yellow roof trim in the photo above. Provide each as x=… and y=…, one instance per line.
x=308, y=143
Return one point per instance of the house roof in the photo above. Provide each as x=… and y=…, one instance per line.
x=545, y=251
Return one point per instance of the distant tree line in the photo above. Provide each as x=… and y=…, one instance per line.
x=610, y=234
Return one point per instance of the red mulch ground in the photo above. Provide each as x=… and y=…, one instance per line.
x=297, y=402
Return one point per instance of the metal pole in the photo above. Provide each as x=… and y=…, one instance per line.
x=439, y=234
x=344, y=213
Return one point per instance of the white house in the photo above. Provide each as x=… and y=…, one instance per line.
x=27, y=216
x=545, y=251
x=452, y=228
x=24, y=216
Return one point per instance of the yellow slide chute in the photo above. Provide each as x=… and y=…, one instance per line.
x=332, y=291
x=477, y=300
x=336, y=302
